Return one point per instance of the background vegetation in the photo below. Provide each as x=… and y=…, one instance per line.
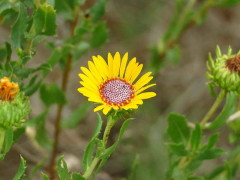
x=172, y=38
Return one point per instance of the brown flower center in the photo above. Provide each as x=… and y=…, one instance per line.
x=233, y=64
x=8, y=89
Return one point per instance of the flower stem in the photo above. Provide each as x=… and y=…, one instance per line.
x=91, y=168
x=110, y=123
x=214, y=107
x=2, y=136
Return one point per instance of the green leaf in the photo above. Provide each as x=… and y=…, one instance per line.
x=19, y=27
x=134, y=167
x=98, y=10
x=77, y=176
x=89, y=150
x=178, y=149
x=52, y=94
x=178, y=129
x=212, y=140
x=74, y=119
x=62, y=169
x=33, y=86
x=107, y=152
x=21, y=170
x=210, y=154
x=45, y=177
x=44, y=20
x=226, y=3
x=99, y=36
x=215, y=172
x=229, y=108
x=196, y=137
x=8, y=141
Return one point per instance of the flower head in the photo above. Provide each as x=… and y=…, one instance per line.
x=8, y=89
x=113, y=84
x=224, y=72
x=14, y=106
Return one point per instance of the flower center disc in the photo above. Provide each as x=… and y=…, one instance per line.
x=117, y=92
x=233, y=64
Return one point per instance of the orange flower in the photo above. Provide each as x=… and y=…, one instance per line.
x=8, y=89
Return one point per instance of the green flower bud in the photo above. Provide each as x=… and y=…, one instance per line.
x=14, y=105
x=224, y=71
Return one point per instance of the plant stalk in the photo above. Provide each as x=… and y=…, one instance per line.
x=214, y=107
x=57, y=125
x=90, y=169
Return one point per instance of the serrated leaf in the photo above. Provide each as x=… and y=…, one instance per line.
x=99, y=36
x=89, y=150
x=52, y=94
x=21, y=170
x=178, y=149
x=19, y=27
x=196, y=137
x=98, y=10
x=74, y=119
x=178, y=129
x=229, y=108
x=62, y=169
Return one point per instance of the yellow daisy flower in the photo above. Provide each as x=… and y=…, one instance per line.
x=113, y=84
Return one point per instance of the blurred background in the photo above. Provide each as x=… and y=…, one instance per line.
x=136, y=27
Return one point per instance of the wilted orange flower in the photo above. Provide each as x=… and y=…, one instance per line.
x=8, y=89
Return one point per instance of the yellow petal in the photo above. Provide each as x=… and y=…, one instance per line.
x=116, y=64
x=95, y=72
x=89, y=86
x=110, y=65
x=96, y=99
x=137, y=101
x=88, y=93
x=143, y=80
x=89, y=74
x=146, y=95
x=104, y=65
x=86, y=79
x=130, y=106
x=144, y=88
x=130, y=68
x=123, y=65
x=136, y=73
x=101, y=68
x=106, y=109
x=98, y=108
x=115, y=107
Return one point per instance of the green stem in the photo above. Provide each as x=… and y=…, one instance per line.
x=2, y=136
x=110, y=123
x=214, y=107
x=91, y=168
